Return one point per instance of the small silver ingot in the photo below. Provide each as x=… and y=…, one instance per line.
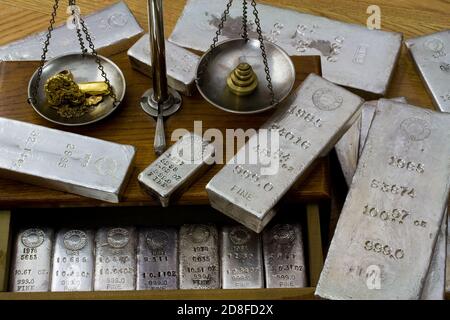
x=352, y=55
x=157, y=259
x=115, y=260
x=181, y=64
x=199, y=257
x=31, y=260
x=73, y=261
x=64, y=161
x=431, y=55
x=175, y=170
x=384, y=240
x=113, y=30
x=284, y=258
x=242, y=261
x=303, y=129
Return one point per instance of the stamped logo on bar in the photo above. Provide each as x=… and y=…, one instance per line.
x=157, y=240
x=199, y=233
x=416, y=129
x=33, y=238
x=118, y=238
x=283, y=234
x=327, y=100
x=239, y=235
x=75, y=240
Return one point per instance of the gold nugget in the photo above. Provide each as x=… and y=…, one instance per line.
x=242, y=81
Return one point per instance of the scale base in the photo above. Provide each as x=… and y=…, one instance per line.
x=172, y=105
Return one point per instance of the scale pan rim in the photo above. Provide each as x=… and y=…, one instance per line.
x=118, y=82
x=289, y=83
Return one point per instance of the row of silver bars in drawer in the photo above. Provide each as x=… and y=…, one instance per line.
x=194, y=257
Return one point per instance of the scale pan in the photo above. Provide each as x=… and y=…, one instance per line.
x=84, y=69
x=223, y=59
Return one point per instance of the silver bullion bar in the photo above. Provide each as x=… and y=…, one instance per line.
x=73, y=261
x=434, y=286
x=113, y=29
x=157, y=259
x=199, y=257
x=431, y=55
x=64, y=161
x=350, y=146
x=384, y=240
x=241, y=258
x=31, y=261
x=115, y=260
x=177, y=168
x=306, y=127
x=284, y=258
x=447, y=272
x=181, y=64
x=352, y=55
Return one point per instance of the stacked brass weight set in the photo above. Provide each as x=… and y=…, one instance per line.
x=388, y=223
x=242, y=81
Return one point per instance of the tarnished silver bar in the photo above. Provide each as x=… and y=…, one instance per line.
x=350, y=146
x=73, y=261
x=113, y=29
x=176, y=169
x=181, y=64
x=31, y=260
x=434, y=285
x=115, y=259
x=352, y=55
x=284, y=258
x=306, y=127
x=384, y=240
x=157, y=259
x=64, y=161
x=199, y=257
x=431, y=55
x=242, y=260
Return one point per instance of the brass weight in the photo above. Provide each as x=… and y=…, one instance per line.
x=242, y=81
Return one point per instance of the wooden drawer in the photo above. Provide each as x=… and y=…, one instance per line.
x=308, y=216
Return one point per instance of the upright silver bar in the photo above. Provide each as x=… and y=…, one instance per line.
x=64, y=161
x=175, y=170
x=242, y=260
x=434, y=286
x=31, y=260
x=384, y=240
x=115, y=260
x=199, y=257
x=113, y=30
x=157, y=259
x=352, y=55
x=304, y=128
x=284, y=257
x=447, y=272
x=431, y=55
x=73, y=261
x=181, y=64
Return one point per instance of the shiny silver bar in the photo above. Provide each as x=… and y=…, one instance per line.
x=350, y=146
x=431, y=55
x=113, y=30
x=284, y=257
x=115, y=260
x=157, y=259
x=241, y=258
x=199, y=257
x=384, y=240
x=31, y=260
x=352, y=55
x=305, y=127
x=181, y=64
x=73, y=261
x=175, y=170
x=434, y=286
x=64, y=161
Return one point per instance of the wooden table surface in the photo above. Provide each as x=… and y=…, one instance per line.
x=412, y=17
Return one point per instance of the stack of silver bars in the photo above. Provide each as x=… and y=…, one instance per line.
x=390, y=242
x=194, y=257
